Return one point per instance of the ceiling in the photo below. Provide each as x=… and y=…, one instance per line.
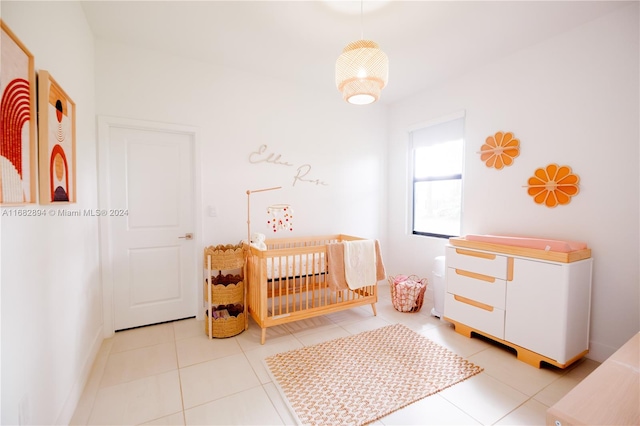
x=426, y=41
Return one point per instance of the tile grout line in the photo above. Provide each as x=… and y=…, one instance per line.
x=175, y=346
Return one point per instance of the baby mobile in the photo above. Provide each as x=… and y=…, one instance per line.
x=280, y=217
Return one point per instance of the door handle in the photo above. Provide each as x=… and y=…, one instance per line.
x=188, y=236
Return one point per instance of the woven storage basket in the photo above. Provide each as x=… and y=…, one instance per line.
x=225, y=290
x=224, y=257
x=225, y=327
x=410, y=296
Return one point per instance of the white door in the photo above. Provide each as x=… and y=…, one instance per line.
x=150, y=223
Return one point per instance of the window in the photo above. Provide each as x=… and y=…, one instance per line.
x=437, y=154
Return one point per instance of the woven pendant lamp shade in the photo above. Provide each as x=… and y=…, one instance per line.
x=362, y=71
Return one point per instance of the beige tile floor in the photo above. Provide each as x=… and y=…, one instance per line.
x=172, y=374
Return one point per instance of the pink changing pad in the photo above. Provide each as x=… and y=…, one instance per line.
x=533, y=243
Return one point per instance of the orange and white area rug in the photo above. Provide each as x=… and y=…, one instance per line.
x=358, y=379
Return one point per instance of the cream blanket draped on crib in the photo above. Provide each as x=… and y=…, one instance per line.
x=354, y=264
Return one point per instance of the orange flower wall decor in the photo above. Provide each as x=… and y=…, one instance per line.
x=500, y=150
x=553, y=185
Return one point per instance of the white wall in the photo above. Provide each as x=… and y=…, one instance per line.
x=236, y=112
x=571, y=100
x=51, y=292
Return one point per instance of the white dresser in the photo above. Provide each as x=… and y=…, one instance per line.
x=539, y=307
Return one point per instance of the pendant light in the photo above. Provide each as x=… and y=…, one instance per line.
x=362, y=70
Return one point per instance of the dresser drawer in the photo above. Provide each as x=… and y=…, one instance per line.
x=482, y=288
x=490, y=264
x=473, y=314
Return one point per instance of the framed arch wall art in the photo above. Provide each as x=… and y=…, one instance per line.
x=57, y=142
x=17, y=121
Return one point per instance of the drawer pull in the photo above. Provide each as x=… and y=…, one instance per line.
x=473, y=303
x=489, y=256
x=475, y=275
x=510, y=269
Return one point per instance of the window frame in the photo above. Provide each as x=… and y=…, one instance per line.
x=413, y=180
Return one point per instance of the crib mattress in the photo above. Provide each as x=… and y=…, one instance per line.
x=295, y=266
x=538, y=248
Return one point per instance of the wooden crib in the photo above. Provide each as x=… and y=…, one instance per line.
x=289, y=282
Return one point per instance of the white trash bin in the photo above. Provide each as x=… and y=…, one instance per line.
x=438, y=287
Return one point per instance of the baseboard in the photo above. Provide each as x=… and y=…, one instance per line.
x=600, y=352
x=76, y=392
